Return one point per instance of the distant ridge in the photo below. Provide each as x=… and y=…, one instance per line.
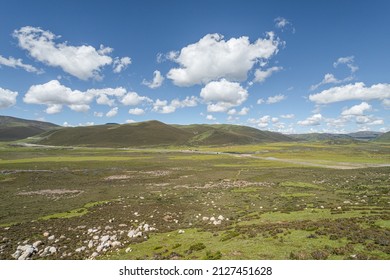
x=155, y=133
x=12, y=128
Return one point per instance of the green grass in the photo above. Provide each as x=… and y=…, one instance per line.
x=303, y=185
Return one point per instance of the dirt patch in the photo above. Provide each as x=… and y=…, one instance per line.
x=53, y=192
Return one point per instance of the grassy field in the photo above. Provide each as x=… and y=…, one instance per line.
x=229, y=202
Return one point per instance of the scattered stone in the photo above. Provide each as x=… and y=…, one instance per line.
x=81, y=249
x=205, y=219
x=94, y=254
x=105, y=238
x=181, y=231
x=52, y=250
x=221, y=218
x=128, y=250
x=38, y=243
x=51, y=237
x=46, y=234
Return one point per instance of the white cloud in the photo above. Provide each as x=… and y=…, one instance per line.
x=158, y=79
x=136, y=111
x=261, y=76
x=260, y=101
x=98, y=114
x=162, y=106
x=311, y=121
x=275, y=99
x=261, y=122
x=357, y=110
x=121, y=64
x=386, y=103
x=112, y=113
x=330, y=79
x=133, y=99
x=222, y=95
x=18, y=63
x=53, y=109
x=130, y=121
x=357, y=91
x=275, y=120
x=283, y=24
x=7, y=98
x=53, y=94
x=349, y=61
x=212, y=58
x=244, y=111
x=369, y=120
x=210, y=118
x=288, y=116
x=83, y=62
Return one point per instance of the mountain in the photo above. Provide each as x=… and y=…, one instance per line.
x=155, y=133
x=321, y=137
x=223, y=134
x=365, y=135
x=15, y=128
x=385, y=138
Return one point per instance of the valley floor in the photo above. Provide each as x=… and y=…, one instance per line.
x=271, y=201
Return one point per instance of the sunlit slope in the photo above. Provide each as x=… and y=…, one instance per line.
x=155, y=133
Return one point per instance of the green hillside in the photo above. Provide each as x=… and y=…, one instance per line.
x=385, y=138
x=15, y=128
x=155, y=133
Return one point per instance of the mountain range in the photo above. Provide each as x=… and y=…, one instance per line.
x=156, y=133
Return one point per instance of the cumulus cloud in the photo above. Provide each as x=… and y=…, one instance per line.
x=261, y=122
x=121, y=64
x=213, y=58
x=112, y=113
x=369, y=120
x=130, y=121
x=7, y=98
x=137, y=111
x=312, y=120
x=210, y=118
x=357, y=110
x=18, y=63
x=158, y=79
x=260, y=101
x=55, y=95
x=98, y=114
x=244, y=111
x=222, y=95
x=133, y=99
x=164, y=107
x=83, y=62
x=275, y=99
x=348, y=61
x=261, y=76
x=357, y=91
x=386, y=103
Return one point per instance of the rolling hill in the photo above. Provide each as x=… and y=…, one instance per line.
x=155, y=133
x=15, y=128
x=385, y=138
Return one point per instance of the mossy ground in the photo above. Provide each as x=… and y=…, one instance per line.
x=271, y=210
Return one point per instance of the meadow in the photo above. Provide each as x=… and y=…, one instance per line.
x=271, y=201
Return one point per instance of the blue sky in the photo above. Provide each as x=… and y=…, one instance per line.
x=287, y=66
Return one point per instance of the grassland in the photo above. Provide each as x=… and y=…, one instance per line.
x=229, y=202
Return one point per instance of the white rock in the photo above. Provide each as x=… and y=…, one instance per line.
x=105, y=238
x=221, y=218
x=212, y=219
x=181, y=231
x=90, y=244
x=116, y=244
x=78, y=250
x=205, y=218
x=94, y=254
x=128, y=250
x=46, y=234
x=52, y=250
x=51, y=237
x=38, y=243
